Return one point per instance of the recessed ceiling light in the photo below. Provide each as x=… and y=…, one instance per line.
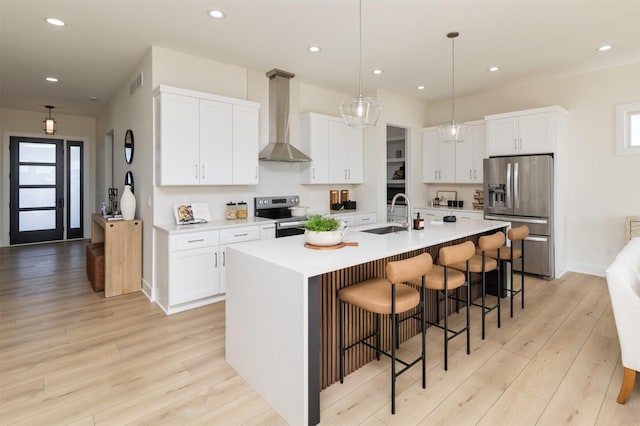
x=421, y=87
x=376, y=71
x=314, y=49
x=217, y=14
x=493, y=69
x=52, y=79
x=56, y=22
x=604, y=48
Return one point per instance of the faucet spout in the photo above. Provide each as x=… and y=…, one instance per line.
x=407, y=223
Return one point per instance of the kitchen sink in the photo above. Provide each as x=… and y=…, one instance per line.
x=389, y=229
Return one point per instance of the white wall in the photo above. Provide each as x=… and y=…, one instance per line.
x=29, y=123
x=603, y=187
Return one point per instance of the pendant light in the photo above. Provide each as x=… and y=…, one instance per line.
x=360, y=111
x=452, y=132
x=49, y=123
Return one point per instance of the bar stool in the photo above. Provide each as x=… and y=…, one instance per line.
x=388, y=296
x=510, y=254
x=443, y=278
x=480, y=263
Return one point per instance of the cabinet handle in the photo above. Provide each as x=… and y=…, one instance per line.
x=520, y=143
x=240, y=235
x=364, y=219
x=345, y=173
x=470, y=174
x=196, y=171
x=199, y=240
x=440, y=174
x=256, y=172
x=215, y=265
x=475, y=176
x=515, y=143
x=313, y=173
x=349, y=174
x=436, y=175
x=224, y=258
x=203, y=178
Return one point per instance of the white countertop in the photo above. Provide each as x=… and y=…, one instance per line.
x=172, y=228
x=290, y=252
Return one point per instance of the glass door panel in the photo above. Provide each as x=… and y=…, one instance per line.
x=75, y=199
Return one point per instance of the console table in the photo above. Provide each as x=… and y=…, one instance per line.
x=122, y=253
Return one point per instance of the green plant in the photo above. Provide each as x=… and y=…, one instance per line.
x=321, y=224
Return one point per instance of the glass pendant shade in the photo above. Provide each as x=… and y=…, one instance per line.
x=360, y=111
x=452, y=132
x=49, y=124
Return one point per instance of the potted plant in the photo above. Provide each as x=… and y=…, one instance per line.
x=322, y=231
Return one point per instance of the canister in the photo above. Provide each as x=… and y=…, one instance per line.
x=334, y=197
x=344, y=195
x=242, y=210
x=231, y=212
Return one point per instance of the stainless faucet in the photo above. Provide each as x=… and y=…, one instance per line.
x=407, y=223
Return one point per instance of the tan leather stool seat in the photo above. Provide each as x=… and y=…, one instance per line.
x=475, y=264
x=505, y=253
x=434, y=279
x=373, y=296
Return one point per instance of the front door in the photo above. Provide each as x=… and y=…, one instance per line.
x=36, y=198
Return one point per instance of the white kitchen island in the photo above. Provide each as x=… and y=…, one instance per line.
x=273, y=320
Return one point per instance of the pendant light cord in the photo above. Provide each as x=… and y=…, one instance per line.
x=360, y=50
x=453, y=111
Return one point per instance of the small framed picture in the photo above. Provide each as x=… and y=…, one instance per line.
x=445, y=196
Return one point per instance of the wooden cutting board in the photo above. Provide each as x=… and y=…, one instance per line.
x=333, y=247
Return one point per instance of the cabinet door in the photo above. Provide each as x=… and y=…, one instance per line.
x=178, y=151
x=479, y=151
x=465, y=159
x=446, y=162
x=216, y=143
x=354, y=154
x=430, y=156
x=502, y=136
x=193, y=274
x=315, y=143
x=536, y=134
x=338, y=139
x=245, y=145
x=366, y=218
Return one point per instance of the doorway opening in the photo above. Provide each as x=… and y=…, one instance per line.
x=397, y=173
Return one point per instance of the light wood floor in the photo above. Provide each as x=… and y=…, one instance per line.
x=69, y=356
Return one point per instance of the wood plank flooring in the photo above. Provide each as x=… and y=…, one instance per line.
x=70, y=356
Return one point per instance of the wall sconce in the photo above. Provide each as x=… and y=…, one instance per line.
x=49, y=123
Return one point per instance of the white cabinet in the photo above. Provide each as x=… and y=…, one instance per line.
x=470, y=153
x=438, y=158
x=356, y=219
x=335, y=150
x=268, y=231
x=532, y=131
x=229, y=236
x=204, y=139
x=438, y=214
x=193, y=268
x=399, y=213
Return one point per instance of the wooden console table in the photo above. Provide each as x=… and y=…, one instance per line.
x=122, y=253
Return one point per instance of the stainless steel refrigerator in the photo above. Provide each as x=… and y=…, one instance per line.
x=519, y=190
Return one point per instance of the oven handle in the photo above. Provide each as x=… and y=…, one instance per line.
x=286, y=225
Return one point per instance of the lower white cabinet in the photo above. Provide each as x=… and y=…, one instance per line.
x=356, y=219
x=191, y=267
x=438, y=214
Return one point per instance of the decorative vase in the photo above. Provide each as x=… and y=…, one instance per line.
x=323, y=238
x=128, y=203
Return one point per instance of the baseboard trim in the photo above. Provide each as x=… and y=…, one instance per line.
x=587, y=268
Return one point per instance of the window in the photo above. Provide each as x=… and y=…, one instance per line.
x=628, y=129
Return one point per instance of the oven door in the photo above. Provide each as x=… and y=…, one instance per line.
x=286, y=229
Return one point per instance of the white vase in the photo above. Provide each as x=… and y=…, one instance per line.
x=128, y=203
x=325, y=238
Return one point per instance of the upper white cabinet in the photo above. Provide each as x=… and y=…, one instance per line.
x=335, y=150
x=470, y=153
x=204, y=139
x=533, y=131
x=438, y=158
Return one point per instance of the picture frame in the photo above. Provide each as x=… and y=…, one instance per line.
x=445, y=196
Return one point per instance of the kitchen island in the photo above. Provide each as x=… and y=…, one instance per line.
x=280, y=307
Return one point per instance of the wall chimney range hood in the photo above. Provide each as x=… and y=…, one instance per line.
x=279, y=148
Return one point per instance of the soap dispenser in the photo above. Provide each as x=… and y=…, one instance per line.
x=418, y=222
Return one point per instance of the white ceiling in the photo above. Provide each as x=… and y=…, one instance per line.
x=104, y=40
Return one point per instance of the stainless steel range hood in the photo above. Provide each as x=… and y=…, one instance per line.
x=279, y=148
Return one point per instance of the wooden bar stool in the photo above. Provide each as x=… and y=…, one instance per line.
x=480, y=263
x=388, y=296
x=510, y=254
x=443, y=278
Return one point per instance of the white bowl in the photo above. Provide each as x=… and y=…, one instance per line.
x=325, y=238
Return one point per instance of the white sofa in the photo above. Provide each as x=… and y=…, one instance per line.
x=623, y=279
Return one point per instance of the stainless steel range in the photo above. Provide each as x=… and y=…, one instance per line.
x=277, y=208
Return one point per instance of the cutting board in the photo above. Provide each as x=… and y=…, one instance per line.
x=333, y=247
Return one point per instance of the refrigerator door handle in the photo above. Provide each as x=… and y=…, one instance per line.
x=514, y=219
x=537, y=239
x=516, y=186
x=508, y=200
